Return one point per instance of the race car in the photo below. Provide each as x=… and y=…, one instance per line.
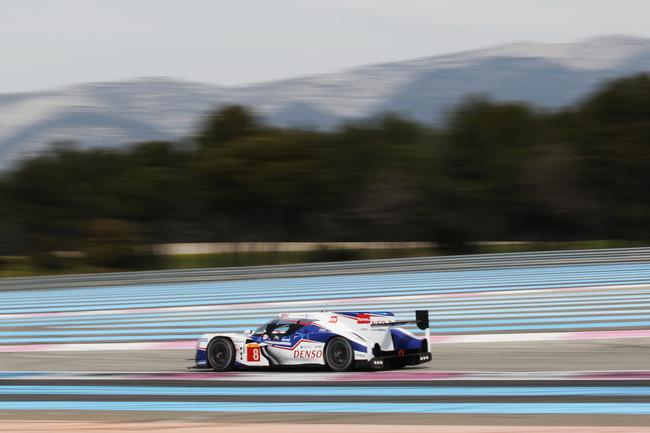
x=338, y=340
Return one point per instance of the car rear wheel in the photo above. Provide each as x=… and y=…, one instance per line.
x=221, y=354
x=339, y=355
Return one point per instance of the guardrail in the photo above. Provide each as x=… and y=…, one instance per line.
x=438, y=263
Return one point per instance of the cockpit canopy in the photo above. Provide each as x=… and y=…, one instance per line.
x=279, y=328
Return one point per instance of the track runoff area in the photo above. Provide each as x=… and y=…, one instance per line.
x=549, y=347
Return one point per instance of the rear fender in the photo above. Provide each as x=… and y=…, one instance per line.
x=403, y=339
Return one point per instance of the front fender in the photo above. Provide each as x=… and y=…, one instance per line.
x=247, y=352
x=237, y=339
x=201, y=358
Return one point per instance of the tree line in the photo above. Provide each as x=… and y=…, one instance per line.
x=491, y=171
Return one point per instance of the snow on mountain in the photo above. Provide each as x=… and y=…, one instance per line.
x=112, y=114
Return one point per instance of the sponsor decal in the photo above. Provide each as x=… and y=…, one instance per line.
x=334, y=319
x=363, y=319
x=253, y=353
x=313, y=353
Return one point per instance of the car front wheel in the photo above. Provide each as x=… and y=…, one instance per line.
x=221, y=354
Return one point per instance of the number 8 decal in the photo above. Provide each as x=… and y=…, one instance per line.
x=253, y=353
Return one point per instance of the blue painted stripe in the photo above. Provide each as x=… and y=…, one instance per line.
x=280, y=291
x=205, y=326
x=305, y=294
x=508, y=275
x=440, y=408
x=511, y=310
x=192, y=334
x=397, y=306
x=193, y=326
x=456, y=307
x=209, y=300
x=439, y=303
x=199, y=323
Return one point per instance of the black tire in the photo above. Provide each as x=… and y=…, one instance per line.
x=339, y=354
x=221, y=354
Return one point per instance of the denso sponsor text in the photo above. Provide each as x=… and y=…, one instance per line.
x=313, y=353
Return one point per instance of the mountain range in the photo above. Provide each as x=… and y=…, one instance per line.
x=116, y=113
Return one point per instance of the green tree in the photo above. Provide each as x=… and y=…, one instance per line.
x=227, y=124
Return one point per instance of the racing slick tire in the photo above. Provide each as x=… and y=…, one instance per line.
x=339, y=354
x=221, y=354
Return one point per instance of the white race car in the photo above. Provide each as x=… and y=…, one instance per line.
x=338, y=340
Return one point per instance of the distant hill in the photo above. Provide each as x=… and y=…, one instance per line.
x=112, y=114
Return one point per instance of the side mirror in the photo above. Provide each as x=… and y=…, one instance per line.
x=248, y=331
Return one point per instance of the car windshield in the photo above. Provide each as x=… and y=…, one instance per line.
x=277, y=328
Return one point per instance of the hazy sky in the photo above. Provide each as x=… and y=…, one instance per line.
x=46, y=43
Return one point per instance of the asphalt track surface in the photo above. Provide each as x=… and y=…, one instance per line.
x=590, y=321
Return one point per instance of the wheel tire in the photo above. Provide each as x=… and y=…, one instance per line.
x=339, y=354
x=221, y=354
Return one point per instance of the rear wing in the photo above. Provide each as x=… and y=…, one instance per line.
x=422, y=319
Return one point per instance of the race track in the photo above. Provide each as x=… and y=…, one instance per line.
x=567, y=340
